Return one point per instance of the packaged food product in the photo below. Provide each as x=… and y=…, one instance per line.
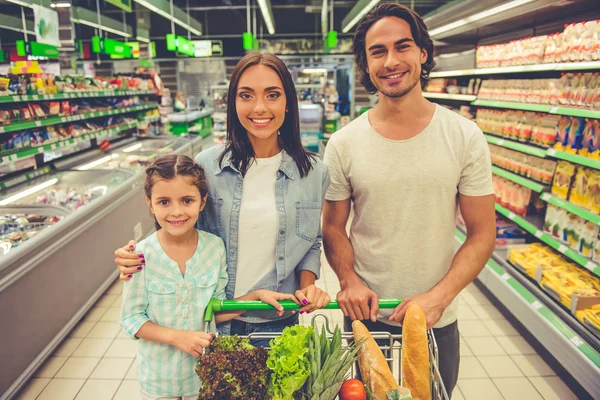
x=588, y=233
x=562, y=133
x=565, y=172
x=594, y=144
x=596, y=254
x=578, y=194
x=593, y=192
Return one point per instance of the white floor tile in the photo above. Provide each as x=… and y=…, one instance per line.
x=477, y=389
x=92, y=348
x=484, y=346
x=103, y=389
x=112, y=315
x=116, y=288
x=67, y=347
x=475, y=298
x=112, y=368
x=457, y=394
x=107, y=300
x=122, y=348
x=81, y=331
x=465, y=313
x=132, y=373
x=473, y=329
x=517, y=388
x=123, y=335
x=465, y=350
x=105, y=330
x=78, y=368
x=500, y=367
x=487, y=312
x=501, y=327
x=470, y=368
x=552, y=388
x=51, y=367
x=128, y=390
x=63, y=389
x=533, y=365
x=95, y=314
x=515, y=345
x=33, y=389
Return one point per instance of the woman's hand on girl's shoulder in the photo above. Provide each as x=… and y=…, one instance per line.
x=272, y=298
x=129, y=262
x=312, y=298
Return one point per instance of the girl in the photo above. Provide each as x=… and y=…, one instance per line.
x=265, y=198
x=183, y=269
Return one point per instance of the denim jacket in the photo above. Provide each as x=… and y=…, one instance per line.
x=299, y=202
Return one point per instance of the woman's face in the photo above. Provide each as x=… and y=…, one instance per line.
x=260, y=102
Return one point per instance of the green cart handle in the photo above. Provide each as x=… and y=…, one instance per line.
x=216, y=305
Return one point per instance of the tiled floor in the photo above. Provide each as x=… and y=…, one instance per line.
x=97, y=361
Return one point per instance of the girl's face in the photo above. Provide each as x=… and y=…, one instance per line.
x=260, y=102
x=176, y=204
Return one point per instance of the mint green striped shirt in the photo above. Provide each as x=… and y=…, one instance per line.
x=160, y=294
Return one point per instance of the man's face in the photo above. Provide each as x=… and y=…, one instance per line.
x=393, y=58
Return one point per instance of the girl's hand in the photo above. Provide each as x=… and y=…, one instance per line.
x=272, y=298
x=312, y=298
x=191, y=342
x=129, y=262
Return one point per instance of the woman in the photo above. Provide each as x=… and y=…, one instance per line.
x=265, y=198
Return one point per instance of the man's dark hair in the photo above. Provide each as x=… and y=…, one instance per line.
x=417, y=28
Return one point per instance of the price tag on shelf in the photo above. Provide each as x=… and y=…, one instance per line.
x=553, y=110
x=500, y=142
x=576, y=340
x=511, y=215
x=545, y=196
x=590, y=266
x=16, y=98
x=505, y=277
x=38, y=123
x=40, y=150
x=538, y=234
x=1, y=129
x=537, y=305
x=551, y=152
x=46, y=97
x=562, y=248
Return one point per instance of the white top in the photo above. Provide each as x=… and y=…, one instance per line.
x=404, y=194
x=259, y=223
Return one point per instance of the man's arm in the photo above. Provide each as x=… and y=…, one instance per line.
x=354, y=297
x=478, y=213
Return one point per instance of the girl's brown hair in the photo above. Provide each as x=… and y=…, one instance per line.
x=238, y=143
x=168, y=167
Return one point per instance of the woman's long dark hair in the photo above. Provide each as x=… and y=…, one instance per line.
x=238, y=143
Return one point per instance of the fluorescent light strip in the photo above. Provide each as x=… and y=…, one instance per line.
x=168, y=16
x=96, y=163
x=60, y=5
x=101, y=27
x=314, y=70
x=29, y=191
x=132, y=148
x=142, y=39
x=478, y=16
x=266, y=15
x=365, y=10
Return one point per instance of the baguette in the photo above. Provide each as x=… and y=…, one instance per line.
x=373, y=366
x=415, y=354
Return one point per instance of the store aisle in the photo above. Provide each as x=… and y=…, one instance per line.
x=97, y=361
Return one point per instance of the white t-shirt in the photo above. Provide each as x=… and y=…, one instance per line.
x=405, y=198
x=259, y=223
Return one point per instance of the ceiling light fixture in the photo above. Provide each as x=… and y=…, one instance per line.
x=168, y=16
x=267, y=13
x=364, y=6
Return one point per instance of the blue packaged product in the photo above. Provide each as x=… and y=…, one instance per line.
x=575, y=135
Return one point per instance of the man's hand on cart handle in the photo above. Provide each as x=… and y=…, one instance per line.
x=129, y=262
x=431, y=305
x=272, y=298
x=357, y=301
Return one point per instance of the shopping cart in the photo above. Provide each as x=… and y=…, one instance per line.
x=388, y=343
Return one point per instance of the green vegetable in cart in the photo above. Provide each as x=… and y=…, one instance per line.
x=288, y=361
x=399, y=394
x=233, y=369
x=329, y=364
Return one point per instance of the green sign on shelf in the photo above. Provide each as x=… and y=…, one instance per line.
x=111, y=47
x=332, y=38
x=4, y=56
x=152, y=50
x=248, y=40
x=171, y=42
x=36, y=49
x=180, y=44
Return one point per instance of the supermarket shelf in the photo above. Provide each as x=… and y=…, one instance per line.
x=523, y=148
x=572, y=112
x=536, y=187
x=574, y=158
x=151, y=119
x=572, y=208
x=24, y=178
x=446, y=96
x=59, y=120
x=75, y=95
x=101, y=134
x=550, y=241
x=523, y=301
x=572, y=66
x=309, y=86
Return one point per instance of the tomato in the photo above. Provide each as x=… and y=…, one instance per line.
x=353, y=389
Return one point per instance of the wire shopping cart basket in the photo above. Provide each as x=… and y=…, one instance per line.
x=388, y=343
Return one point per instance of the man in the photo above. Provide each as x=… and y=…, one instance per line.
x=405, y=166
